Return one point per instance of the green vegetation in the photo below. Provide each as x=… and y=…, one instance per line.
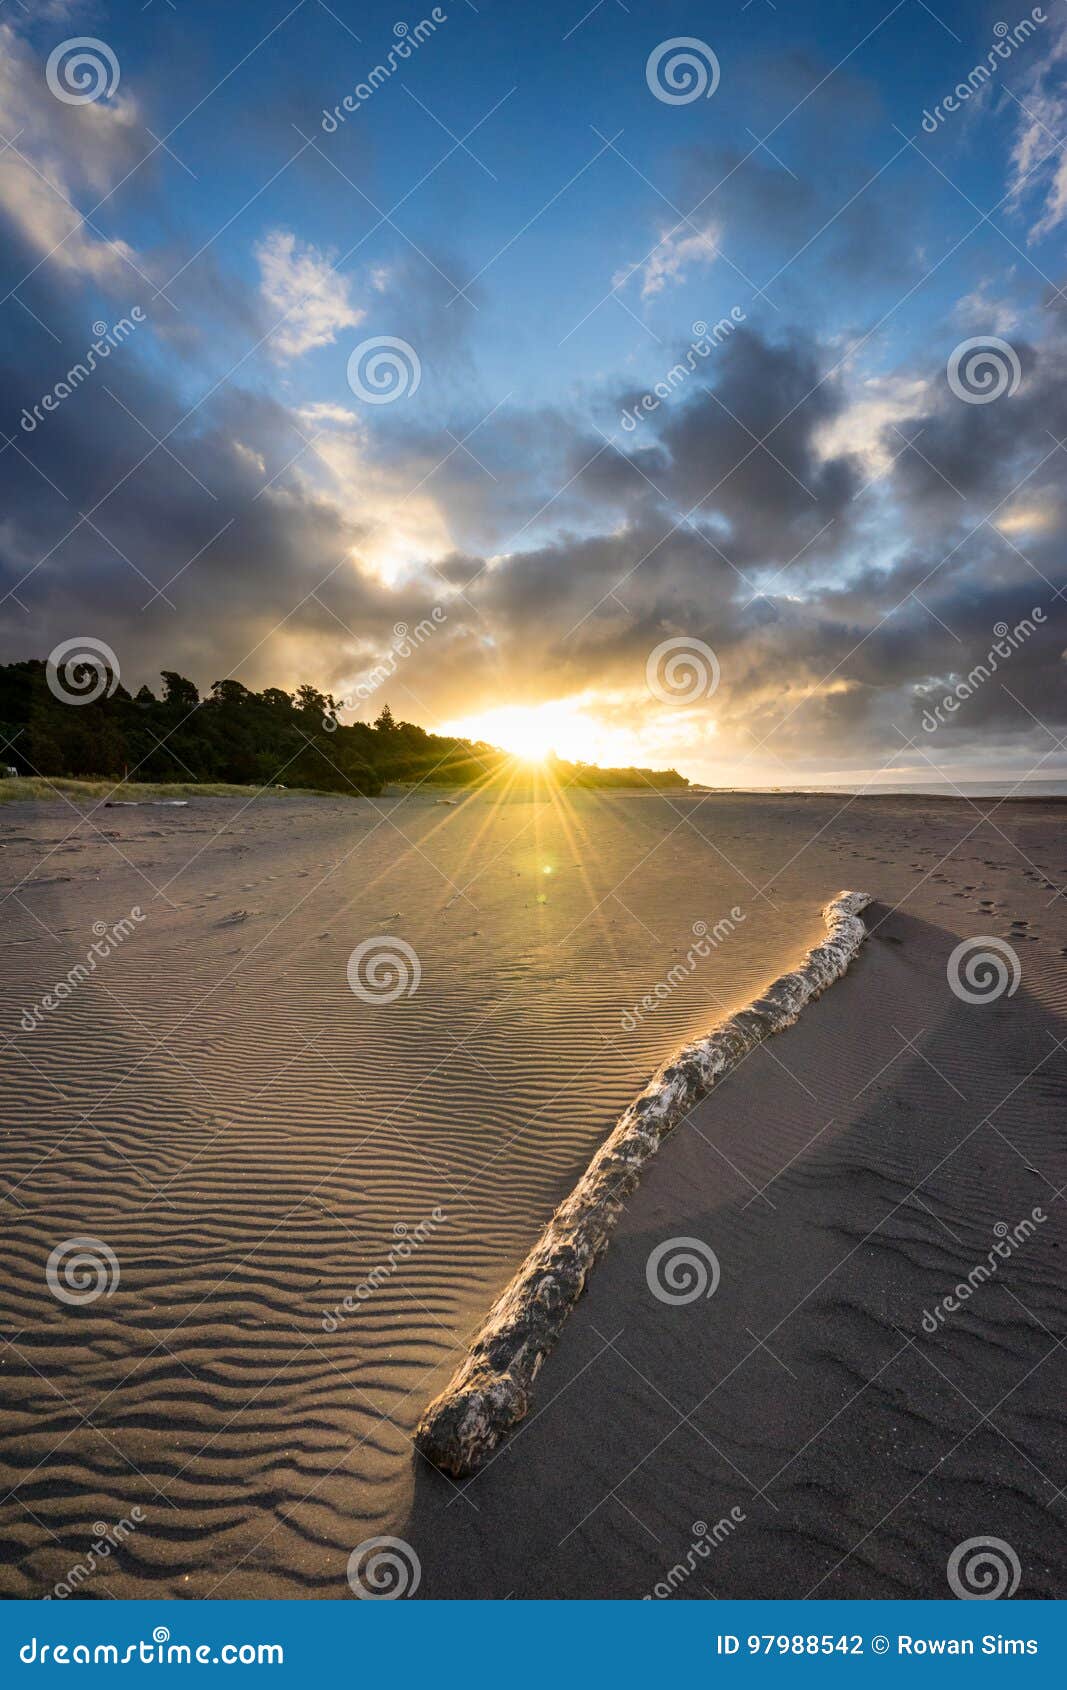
x=236, y=737
x=141, y=792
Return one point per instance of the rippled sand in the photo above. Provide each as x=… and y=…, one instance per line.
x=255, y=1142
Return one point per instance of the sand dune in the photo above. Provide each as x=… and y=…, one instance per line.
x=843, y=1444
x=255, y=1143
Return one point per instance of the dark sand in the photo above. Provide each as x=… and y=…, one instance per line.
x=842, y=1198
x=247, y=1135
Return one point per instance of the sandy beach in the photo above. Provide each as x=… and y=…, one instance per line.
x=255, y=1140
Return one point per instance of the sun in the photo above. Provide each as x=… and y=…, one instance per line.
x=527, y=731
x=570, y=728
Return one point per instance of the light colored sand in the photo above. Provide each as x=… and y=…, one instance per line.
x=246, y=1134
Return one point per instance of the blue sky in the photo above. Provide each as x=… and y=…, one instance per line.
x=812, y=501
x=561, y=87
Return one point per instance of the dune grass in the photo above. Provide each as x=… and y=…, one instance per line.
x=141, y=792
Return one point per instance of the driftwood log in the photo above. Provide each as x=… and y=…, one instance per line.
x=490, y=1392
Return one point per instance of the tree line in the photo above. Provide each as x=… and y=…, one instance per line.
x=241, y=737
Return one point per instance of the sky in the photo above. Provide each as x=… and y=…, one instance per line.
x=654, y=382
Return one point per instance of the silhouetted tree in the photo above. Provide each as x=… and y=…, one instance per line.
x=177, y=690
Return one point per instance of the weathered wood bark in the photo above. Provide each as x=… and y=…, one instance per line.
x=490, y=1392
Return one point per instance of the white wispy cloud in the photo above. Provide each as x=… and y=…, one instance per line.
x=300, y=287
x=679, y=248
x=321, y=414
x=60, y=154
x=983, y=308
x=865, y=426
x=1038, y=160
